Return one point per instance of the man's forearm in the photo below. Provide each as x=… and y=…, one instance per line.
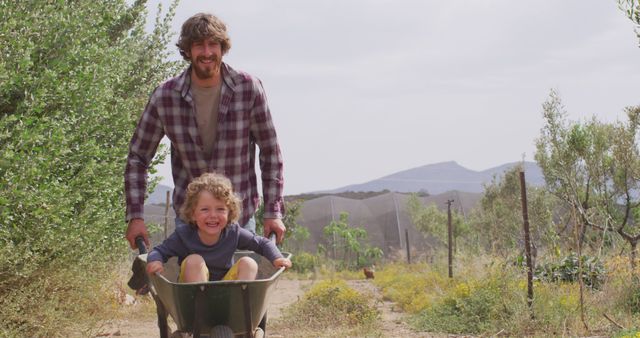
x=135, y=184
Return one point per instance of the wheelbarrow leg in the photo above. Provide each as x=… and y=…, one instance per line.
x=247, y=310
x=262, y=328
x=198, y=313
x=263, y=323
x=162, y=318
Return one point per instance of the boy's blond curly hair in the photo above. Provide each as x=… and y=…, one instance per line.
x=217, y=185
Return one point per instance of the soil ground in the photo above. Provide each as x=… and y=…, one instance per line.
x=141, y=322
x=392, y=320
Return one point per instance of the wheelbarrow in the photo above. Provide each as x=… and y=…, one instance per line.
x=218, y=308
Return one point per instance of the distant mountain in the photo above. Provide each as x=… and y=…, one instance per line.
x=442, y=177
x=435, y=179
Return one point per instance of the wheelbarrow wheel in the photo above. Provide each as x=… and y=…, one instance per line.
x=259, y=333
x=262, y=327
x=263, y=323
x=221, y=331
x=180, y=334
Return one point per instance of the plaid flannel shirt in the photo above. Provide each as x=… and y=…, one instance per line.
x=244, y=120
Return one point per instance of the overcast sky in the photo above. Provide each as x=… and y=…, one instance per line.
x=361, y=89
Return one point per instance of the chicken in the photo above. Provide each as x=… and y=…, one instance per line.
x=368, y=272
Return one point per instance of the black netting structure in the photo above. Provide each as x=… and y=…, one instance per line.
x=384, y=217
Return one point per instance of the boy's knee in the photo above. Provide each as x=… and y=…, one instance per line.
x=248, y=263
x=247, y=268
x=194, y=269
x=194, y=261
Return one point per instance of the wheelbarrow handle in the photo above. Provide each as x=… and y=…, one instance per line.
x=140, y=244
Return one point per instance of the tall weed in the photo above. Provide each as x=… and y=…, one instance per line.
x=489, y=295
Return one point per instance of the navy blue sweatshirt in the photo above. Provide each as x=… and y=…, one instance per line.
x=218, y=257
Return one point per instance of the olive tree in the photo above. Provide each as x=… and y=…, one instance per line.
x=73, y=80
x=631, y=9
x=432, y=221
x=498, y=218
x=594, y=167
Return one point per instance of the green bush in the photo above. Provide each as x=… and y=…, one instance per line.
x=628, y=333
x=73, y=81
x=304, y=262
x=466, y=309
x=633, y=300
x=567, y=270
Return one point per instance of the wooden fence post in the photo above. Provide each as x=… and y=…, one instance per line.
x=527, y=241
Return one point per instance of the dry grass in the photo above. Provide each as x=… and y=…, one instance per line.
x=488, y=295
x=62, y=302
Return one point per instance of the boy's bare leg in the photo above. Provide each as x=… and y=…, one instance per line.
x=247, y=268
x=195, y=269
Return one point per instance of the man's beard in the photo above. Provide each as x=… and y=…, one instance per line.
x=207, y=71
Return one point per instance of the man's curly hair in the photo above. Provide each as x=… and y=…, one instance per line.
x=217, y=185
x=200, y=27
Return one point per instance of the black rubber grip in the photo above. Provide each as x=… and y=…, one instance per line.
x=142, y=249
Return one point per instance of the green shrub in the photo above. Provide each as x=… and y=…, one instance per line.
x=567, y=270
x=304, y=262
x=73, y=81
x=628, y=333
x=633, y=301
x=466, y=308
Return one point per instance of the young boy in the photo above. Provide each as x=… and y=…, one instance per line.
x=205, y=247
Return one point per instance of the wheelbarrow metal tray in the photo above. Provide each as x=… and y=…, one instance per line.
x=240, y=305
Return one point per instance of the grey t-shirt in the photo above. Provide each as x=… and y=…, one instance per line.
x=206, y=101
x=218, y=257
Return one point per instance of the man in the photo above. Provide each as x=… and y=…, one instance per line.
x=214, y=117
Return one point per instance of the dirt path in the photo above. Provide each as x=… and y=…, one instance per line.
x=392, y=321
x=142, y=321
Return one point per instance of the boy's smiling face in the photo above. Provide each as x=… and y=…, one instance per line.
x=211, y=215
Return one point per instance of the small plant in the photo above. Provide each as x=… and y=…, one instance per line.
x=628, y=333
x=633, y=300
x=333, y=303
x=593, y=272
x=466, y=308
x=369, y=256
x=304, y=262
x=347, y=244
x=406, y=284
